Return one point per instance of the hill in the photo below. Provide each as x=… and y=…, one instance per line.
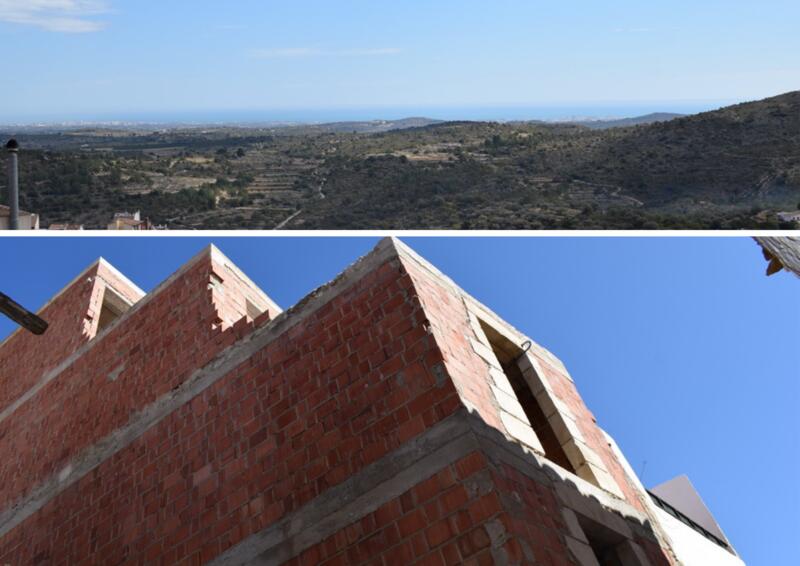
x=748, y=153
x=626, y=122
x=364, y=127
x=716, y=169
x=731, y=168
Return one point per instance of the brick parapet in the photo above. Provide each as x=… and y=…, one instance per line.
x=72, y=316
x=146, y=353
x=358, y=378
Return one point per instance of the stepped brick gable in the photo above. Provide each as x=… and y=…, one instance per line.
x=388, y=418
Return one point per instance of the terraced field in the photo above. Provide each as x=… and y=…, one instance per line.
x=720, y=169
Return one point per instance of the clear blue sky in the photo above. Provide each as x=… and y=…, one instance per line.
x=685, y=351
x=68, y=58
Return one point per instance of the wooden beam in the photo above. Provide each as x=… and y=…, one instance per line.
x=22, y=316
x=781, y=253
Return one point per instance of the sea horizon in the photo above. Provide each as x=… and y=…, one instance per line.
x=496, y=113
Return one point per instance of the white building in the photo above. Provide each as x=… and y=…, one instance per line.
x=692, y=533
x=696, y=537
x=132, y=221
x=789, y=216
x=27, y=220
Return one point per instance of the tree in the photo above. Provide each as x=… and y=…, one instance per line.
x=115, y=178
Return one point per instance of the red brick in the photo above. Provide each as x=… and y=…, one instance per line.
x=434, y=559
x=438, y=533
x=484, y=508
x=304, y=413
x=388, y=513
x=411, y=523
x=472, y=542
x=470, y=465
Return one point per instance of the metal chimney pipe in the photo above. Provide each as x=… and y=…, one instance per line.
x=13, y=183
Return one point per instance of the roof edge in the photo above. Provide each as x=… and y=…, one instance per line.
x=678, y=500
x=406, y=252
x=86, y=271
x=288, y=319
x=125, y=279
x=216, y=254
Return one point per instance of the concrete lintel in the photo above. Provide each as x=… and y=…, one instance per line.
x=573, y=525
x=573, y=491
x=579, y=453
x=582, y=552
x=601, y=477
x=392, y=475
x=387, y=479
x=565, y=429
x=510, y=404
x=552, y=405
x=521, y=431
x=500, y=380
x=485, y=352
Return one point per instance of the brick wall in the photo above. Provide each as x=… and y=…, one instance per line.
x=450, y=317
x=565, y=389
x=450, y=326
x=353, y=382
x=474, y=512
x=357, y=428
x=452, y=517
x=72, y=317
x=148, y=353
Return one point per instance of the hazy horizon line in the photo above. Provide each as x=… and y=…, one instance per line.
x=546, y=111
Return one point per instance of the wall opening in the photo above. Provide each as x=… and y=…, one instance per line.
x=253, y=310
x=507, y=354
x=609, y=547
x=114, y=306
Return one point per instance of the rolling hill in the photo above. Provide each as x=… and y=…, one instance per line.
x=735, y=167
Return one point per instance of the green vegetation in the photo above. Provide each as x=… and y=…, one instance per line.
x=729, y=169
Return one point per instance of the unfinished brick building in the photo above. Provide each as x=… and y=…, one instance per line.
x=388, y=418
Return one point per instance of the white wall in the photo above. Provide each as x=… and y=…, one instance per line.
x=692, y=548
x=26, y=222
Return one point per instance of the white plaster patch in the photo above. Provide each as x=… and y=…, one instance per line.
x=65, y=473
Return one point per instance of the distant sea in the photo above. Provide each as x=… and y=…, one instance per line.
x=316, y=116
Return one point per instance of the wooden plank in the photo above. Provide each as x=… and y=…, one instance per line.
x=22, y=316
x=782, y=253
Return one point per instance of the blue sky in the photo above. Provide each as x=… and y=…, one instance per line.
x=684, y=350
x=107, y=58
